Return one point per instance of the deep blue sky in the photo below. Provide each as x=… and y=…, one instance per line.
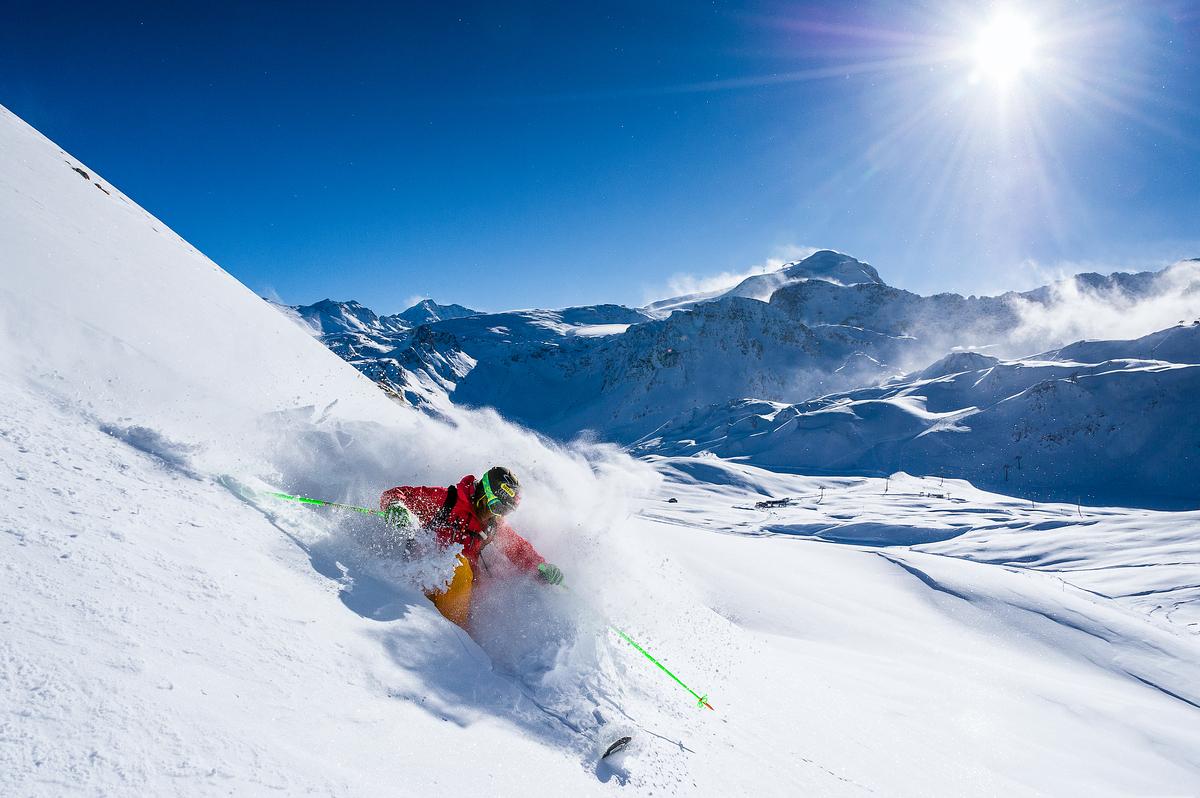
x=545, y=154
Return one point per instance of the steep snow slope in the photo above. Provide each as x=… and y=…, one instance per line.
x=160, y=639
x=1102, y=421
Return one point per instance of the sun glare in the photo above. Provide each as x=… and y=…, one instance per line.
x=1004, y=49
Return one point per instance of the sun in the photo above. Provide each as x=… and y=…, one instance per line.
x=1005, y=49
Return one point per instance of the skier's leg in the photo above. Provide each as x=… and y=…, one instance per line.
x=454, y=601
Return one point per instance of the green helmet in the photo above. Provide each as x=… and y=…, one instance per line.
x=500, y=490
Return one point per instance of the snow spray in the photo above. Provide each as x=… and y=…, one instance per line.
x=701, y=700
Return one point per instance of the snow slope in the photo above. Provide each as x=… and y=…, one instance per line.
x=164, y=635
x=1101, y=421
x=948, y=641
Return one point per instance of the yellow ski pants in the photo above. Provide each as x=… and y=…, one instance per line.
x=454, y=601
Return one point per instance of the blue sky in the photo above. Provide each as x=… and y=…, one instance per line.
x=546, y=154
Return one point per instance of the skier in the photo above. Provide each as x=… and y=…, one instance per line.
x=470, y=513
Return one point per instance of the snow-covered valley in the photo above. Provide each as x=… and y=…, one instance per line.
x=891, y=635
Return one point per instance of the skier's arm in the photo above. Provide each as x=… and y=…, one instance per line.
x=523, y=555
x=392, y=495
x=422, y=502
x=519, y=551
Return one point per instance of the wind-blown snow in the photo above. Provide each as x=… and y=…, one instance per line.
x=165, y=631
x=1101, y=421
x=1116, y=306
x=824, y=265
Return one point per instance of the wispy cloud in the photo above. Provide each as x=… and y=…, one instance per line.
x=412, y=300
x=684, y=283
x=269, y=293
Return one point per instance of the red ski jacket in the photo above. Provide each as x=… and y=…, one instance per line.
x=460, y=524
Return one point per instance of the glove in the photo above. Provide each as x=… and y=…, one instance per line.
x=397, y=516
x=551, y=573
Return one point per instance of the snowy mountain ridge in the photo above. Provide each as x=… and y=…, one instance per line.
x=427, y=311
x=824, y=265
x=829, y=326
x=328, y=317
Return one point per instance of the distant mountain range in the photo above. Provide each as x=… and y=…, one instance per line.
x=755, y=371
x=333, y=318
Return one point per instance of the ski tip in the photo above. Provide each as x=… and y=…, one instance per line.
x=619, y=745
x=236, y=487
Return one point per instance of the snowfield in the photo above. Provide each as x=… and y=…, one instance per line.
x=165, y=631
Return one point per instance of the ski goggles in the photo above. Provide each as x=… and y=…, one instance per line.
x=502, y=501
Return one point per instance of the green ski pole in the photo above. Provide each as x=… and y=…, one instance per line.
x=322, y=503
x=701, y=700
